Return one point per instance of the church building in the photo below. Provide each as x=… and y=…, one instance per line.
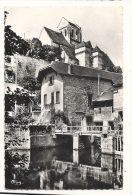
x=75, y=50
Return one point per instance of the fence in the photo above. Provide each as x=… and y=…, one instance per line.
x=115, y=133
x=73, y=129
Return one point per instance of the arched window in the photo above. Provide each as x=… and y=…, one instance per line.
x=65, y=32
x=80, y=37
x=72, y=33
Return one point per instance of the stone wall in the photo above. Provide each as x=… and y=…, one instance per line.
x=118, y=99
x=48, y=141
x=107, y=145
x=27, y=66
x=75, y=98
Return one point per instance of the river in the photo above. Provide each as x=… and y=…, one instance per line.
x=63, y=168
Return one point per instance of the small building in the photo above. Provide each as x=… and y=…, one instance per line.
x=103, y=109
x=71, y=89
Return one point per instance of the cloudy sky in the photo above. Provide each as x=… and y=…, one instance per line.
x=101, y=25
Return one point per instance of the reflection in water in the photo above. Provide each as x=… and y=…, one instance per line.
x=62, y=168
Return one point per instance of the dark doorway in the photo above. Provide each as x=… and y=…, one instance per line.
x=111, y=124
x=89, y=120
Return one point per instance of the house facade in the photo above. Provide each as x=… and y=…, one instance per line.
x=118, y=104
x=71, y=89
x=103, y=109
x=108, y=107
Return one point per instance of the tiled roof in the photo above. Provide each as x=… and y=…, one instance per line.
x=57, y=37
x=62, y=68
x=84, y=44
x=97, y=49
x=108, y=95
x=75, y=25
x=119, y=83
x=70, y=52
x=72, y=24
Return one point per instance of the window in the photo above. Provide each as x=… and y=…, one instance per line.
x=112, y=109
x=99, y=110
x=89, y=99
x=65, y=33
x=80, y=37
x=45, y=99
x=121, y=114
x=57, y=97
x=72, y=33
x=51, y=80
x=52, y=98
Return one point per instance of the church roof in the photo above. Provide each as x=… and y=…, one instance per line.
x=75, y=25
x=70, y=52
x=84, y=44
x=72, y=24
x=62, y=68
x=97, y=49
x=57, y=37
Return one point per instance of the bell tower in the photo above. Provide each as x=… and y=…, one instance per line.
x=72, y=32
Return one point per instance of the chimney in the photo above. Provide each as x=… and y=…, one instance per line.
x=98, y=83
x=70, y=69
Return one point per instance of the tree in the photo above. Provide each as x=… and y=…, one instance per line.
x=5, y=16
x=44, y=52
x=31, y=83
x=14, y=43
x=35, y=48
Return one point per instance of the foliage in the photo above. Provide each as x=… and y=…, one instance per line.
x=5, y=16
x=14, y=43
x=44, y=52
x=13, y=140
x=118, y=123
x=15, y=159
x=7, y=58
x=31, y=83
x=59, y=118
x=20, y=97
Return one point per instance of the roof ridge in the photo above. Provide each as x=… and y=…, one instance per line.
x=58, y=37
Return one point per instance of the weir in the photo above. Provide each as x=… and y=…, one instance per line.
x=111, y=141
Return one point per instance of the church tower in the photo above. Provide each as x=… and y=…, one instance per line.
x=72, y=32
x=97, y=54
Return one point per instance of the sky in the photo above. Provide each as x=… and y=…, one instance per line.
x=103, y=26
